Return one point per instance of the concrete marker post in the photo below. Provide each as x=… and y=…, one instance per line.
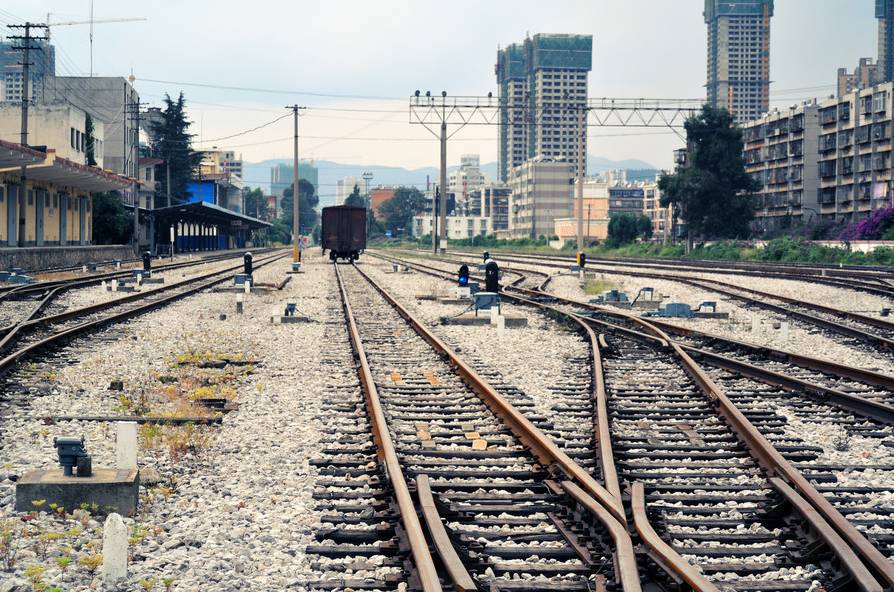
x=114, y=549
x=126, y=444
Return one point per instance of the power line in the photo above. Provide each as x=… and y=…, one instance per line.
x=242, y=133
x=272, y=91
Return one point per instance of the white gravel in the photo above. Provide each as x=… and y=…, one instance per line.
x=236, y=512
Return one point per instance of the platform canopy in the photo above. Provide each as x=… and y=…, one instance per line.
x=203, y=212
x=63, y=172
x=16, y=155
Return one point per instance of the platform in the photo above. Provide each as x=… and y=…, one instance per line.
x=469, y=319
x=112, y=490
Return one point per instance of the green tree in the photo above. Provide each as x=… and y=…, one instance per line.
x=172, y=142
x=307, y=203
x=255, y=203
x=398, y=211
x=89, y=141
x=712, y=193
x=112, y=222
x=624, y=228
x=355, y=199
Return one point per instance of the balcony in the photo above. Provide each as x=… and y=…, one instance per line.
x=827, y=116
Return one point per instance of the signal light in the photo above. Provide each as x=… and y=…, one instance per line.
x=464, y=275
x=582, y=259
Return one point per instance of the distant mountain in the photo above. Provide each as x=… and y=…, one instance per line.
x=257, y=174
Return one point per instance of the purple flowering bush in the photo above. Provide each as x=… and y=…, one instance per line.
x=870, y=228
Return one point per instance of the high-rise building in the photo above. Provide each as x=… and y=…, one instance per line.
x=43, y=66
x=884, y=12
x=281, y=177
x=739, y=56
x=865, y=75
x=345, y=187
x=543, y=85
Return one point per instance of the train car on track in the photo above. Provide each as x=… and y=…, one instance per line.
x=344, y=232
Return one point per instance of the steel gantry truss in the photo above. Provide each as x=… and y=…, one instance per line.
x=433, y=111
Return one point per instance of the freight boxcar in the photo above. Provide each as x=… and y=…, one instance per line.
x=344, y=232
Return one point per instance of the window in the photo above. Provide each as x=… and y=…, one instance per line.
x=863, y=134
x=827, y=142
x=844, y=138
x=844, y=112
x=879, y=102
x=72, y=137
x=827, y=116
x=56, y=201
x=847, y=165
x=796, y=148
x=827, y=168
x=880, y=131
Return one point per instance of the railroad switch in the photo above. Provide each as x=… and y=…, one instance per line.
x=72, y=454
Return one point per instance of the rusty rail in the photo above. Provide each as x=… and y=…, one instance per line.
x=425, y=566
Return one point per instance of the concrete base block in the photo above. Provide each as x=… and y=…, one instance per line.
x=469, y=319
x=284, y=320
x=241, y=290
x=111, y=490
x=153, y=280
x=711, y=315
x=466, y=301
x=426, y=296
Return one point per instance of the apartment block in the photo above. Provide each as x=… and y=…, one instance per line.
x=345, y=187
x=281, y=177
x=884, y=12
x=216, y=161
x=782, y=153
x=58, y=126
x=739, y=56
x=595, y=210
x=854, y=163
x=661, y=217
x=866, y=74
x=492, y=202
x=543, y=84
x=43, y=67
x=541, y=192
x=467, y=178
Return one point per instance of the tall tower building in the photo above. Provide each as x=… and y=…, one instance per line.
x=543, y=83
x=884, y=12
x=739, y=56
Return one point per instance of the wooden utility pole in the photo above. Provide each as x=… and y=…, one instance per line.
x=296, y=216
x=25, y=47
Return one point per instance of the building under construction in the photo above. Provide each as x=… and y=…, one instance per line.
x=543, y=85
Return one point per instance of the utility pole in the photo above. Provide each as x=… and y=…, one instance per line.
x=367, y=177
x=443, y=218
x=296, y=218
x=136, y=188
x=581, y=171
x=25, y=47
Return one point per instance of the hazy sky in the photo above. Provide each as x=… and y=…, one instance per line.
x=309, y=51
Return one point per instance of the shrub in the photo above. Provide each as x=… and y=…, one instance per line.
x=871, y=228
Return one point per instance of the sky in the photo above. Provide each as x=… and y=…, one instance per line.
x=353, y=63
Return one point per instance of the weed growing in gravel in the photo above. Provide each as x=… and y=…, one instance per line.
x=91, y=563
x=168, y=582
x=63, y=561
x=148, y=584
x=34, y=573
x=11, y=531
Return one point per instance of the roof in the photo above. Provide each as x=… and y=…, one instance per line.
x=148, y=160
x=62, y=171
x=12, y=155
x=223, y=179
x=202, y=211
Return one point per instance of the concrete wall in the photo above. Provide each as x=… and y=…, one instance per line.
x=32, y=258
x=57, y=126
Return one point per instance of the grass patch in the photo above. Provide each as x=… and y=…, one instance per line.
x=597, y=287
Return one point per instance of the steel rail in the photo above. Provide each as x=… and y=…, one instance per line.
x=546, y=451
x=774, y=464
x=728, y=290
x=425, y=566
x=607, y=509
x=7, y=362
x=664, y=554
x=13, y=330
x=462, y=581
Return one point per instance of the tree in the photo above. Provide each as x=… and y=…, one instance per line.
x=112, y=222
x=712, y=192
x=398, y=211
x=172, y=142
x=355, y=199
x=306, y=205
x=624, y=228
x=255, y=203
x=89, y=142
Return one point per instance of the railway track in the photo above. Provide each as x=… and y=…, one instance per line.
x=520, y=514
x=871, y=280
x=849, y=328
x=22, y=339
x=697, y=464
